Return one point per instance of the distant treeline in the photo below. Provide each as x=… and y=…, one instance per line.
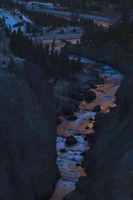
x=85, y=4
x=44, y=19
x=120, y=34
x=53, y=63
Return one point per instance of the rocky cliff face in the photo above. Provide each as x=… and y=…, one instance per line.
x=112, y=155
x=28, y=169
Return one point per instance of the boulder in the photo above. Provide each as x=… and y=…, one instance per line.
x=70, y=107
x=97, y=108
x=89, y=96
x=71, y=140
x=87, y=127
x=63, y=150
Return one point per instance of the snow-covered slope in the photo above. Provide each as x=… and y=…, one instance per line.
x=14, y=19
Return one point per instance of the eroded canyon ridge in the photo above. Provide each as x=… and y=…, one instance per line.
x=65, y=133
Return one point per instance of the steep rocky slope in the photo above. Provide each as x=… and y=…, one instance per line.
x=110, y=162
x=111, y=159
x=28, y=169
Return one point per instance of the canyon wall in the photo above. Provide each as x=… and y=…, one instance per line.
x=28, y=169
x=109, y=164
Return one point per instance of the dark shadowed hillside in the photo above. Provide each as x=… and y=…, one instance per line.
x=112, y=177
x=28, y=167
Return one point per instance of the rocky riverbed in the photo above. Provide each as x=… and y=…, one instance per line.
x=70, y=156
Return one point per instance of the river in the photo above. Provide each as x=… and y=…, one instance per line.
x=69, y=161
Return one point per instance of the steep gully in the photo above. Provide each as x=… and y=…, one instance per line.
x=69, y=162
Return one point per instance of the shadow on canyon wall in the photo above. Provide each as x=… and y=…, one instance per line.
x=28, y=167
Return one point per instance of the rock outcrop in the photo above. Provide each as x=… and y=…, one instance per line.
x=28, y=169
x=112, y=156
x=109, y=164
x=71, y=140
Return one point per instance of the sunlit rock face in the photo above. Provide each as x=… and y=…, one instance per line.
x=28, y=169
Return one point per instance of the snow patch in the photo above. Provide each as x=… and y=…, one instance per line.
x=14, y=20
